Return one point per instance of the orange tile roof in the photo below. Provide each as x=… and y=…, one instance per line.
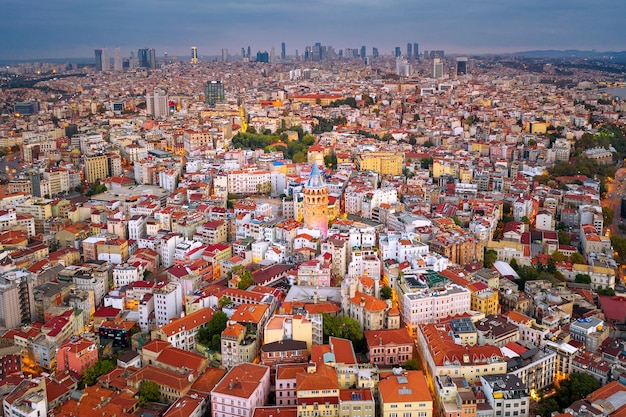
x=409, y=387
x=234, y=330
x=388, y=336
x=249, y=313
x=243, y=380
x=176, y=381
x=343, y=350
x=371, y=303
x=442, y=347
x=289, y=371
x=325, y=378
x=208, y=380
x=182, y=359
x=517, y=317
x=191, y=321
x=606, y=391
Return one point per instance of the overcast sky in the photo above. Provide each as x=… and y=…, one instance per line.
x=74, y=28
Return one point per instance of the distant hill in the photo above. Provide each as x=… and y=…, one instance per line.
x=572, y=53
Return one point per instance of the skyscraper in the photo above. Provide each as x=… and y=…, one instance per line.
x=283, y=51
x=147, y=58
x=363, y=52
x=143, y=57
x=416, y=50
x=98, y=53
x=194, y=54
x=409, y=50
x=316, y=202
x=272, y=55
x=461, y=65
x=152, y=62
x=262, y=56
x=375, y=52
x=106, y=61
x=156, y=103
x=224, y=55
x=398, y=52
x=437, y=68
x=117, y=60
x=213, y=92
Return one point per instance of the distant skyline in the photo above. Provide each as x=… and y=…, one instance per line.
x=74, y=28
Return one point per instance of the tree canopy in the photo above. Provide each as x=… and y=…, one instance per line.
x=245, y=280
x=577, y=387
x=149, y=392
x=211, y=334
x=385, y=293
x=103, y=366
x=491, y=256
x=344, y=327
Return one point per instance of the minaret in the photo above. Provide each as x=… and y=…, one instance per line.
x=316, y=202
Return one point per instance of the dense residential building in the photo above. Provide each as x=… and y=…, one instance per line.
x=406, y=391
x=143, y=202
x=506, y=394
x=243, y=388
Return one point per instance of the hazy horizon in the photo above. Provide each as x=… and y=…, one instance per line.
x=74, y=28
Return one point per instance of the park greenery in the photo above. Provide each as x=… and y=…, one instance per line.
x=296, y=150
x=607, y=135
x=575, y=388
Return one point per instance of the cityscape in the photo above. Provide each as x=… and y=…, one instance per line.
x=311, y=230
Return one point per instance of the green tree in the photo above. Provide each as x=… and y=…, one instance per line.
x=203, y=335
x=619, y=244
x=547, y=406
x=577, y=258
x=608, y=215
x=582, y=279
x=385, y=293
x=525, y=220
x=103, y=366
x=330, y=161
x=558, y=256
x=344, y=327
x=299, y=157
x=605, y=291
x=426, y=163
x=491, y=256
x=149, y=392
x=216, y=342
x=564, y=238
x=457, y=221
x=428, y=144
x=412, y=365
x=224, y=301
x=217, y=324
x=245, y=280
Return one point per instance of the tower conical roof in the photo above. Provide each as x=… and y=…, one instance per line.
x=316, y=180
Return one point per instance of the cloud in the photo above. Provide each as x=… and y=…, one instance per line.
x=69, y=27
